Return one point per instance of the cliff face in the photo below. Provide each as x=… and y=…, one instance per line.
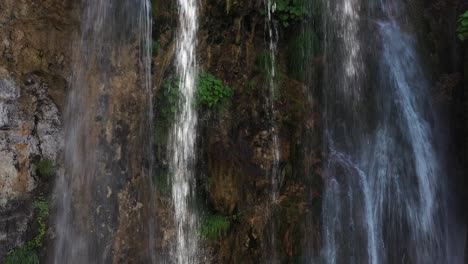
x=34, y=64
x=235, y=141
x=234, y=148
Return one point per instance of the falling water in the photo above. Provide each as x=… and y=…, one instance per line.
x=272, y=37
x=181, y=147
x=385, y=190
x=271, y=249
x=111, y=64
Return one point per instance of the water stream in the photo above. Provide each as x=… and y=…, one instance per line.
x=271, y=28
x=183, y=136
x=385, y=187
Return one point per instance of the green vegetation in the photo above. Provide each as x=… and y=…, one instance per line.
x=214, y=227
x=156, y=47
x=161, y=178
x=211, y=92
x=264, y=61
x=167, y=105
x=170, y=98
x=27, y=254
x=288, y=12
x=462, y=28
x=301, y=51
x=22, y=255
x=45, y=168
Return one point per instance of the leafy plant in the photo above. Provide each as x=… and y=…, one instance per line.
x=214, y=227
x=462, y=28
x=211, y=92
x=27, y=254
x=288, y=12
x=45, y=168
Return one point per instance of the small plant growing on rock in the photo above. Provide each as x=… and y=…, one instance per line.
x=462, y=28
x=288, y=12
x=27, y=254
x=45, y=168
x=22, y=255
x=211, y=92
x=170, y=98
x=167, y=105
x=214, y=227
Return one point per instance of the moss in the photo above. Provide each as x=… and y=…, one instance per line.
x=167, y=105
x=214, y=227
x=22, y=255
x=45, y=168
x=27, y=254
x=301, y=51
x=462, y=28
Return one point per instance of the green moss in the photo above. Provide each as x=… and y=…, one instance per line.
x=211, y=92
x=45, y=168
x=162, y=180
x=301, y=51
x=22, y=255
x=27, y=254
x=462, y=28
x=167, y=105
x=156, y=47
x=214, y=227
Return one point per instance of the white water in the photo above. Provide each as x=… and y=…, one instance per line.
x=271, y=255
x=384, y=190
x=183, y=136
x=272, y=90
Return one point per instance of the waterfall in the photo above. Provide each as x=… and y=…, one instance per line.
x=272, y=38
x=385, y=188
x=183, y=136
x=108, y=132
x=271, y=247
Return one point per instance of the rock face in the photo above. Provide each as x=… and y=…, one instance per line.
x=34, y=64
x=234, y=146
x=234, y=154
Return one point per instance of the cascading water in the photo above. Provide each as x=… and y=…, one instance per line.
x=385, y=190
x=270, y=252
x=183, y=136
x=112, y=60
x=272, y=36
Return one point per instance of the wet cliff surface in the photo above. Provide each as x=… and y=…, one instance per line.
x=234, y=143
x=34, y=65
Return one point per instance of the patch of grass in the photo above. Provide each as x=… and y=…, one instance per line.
x=214, y=227
x=22, y=255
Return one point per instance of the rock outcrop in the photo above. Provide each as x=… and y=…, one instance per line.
x=34, y=67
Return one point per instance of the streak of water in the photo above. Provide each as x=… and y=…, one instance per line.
x=271, y=251
x=183, y=135
x=104, y=62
